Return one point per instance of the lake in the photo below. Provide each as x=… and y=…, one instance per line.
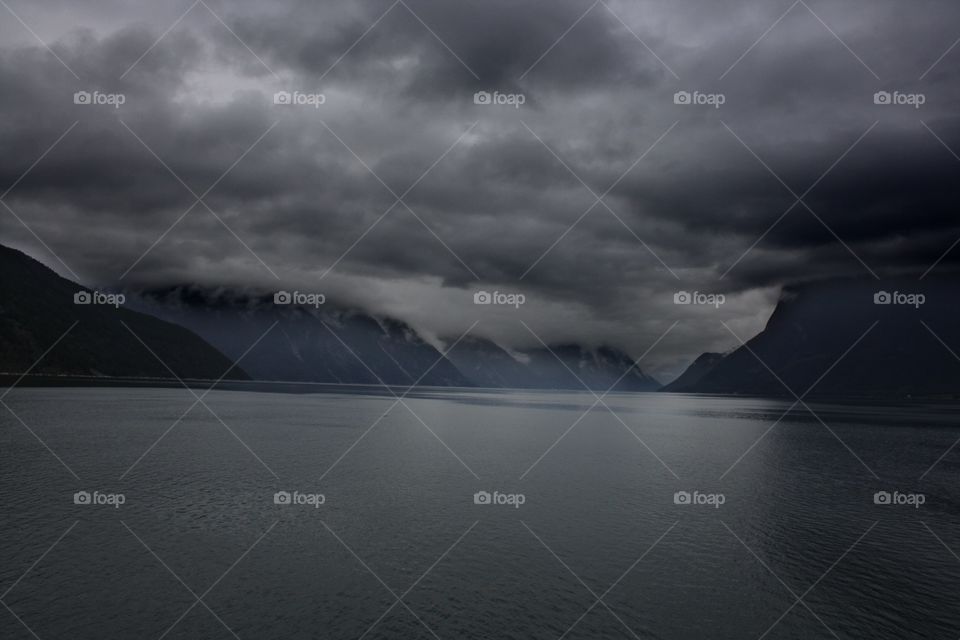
x=474, y=514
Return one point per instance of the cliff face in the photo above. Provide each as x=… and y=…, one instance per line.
x=37, y=306
x=814, y=324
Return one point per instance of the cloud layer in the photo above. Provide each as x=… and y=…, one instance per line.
x=598, y=198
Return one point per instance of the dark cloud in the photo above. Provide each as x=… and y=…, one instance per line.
x=285, y=187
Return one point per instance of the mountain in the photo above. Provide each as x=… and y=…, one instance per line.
x=700, y=367
x=814, y=324
x=37, y=307
x=317, y=343
x=488, y=365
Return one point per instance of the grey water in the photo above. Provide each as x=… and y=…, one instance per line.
x=642, y=516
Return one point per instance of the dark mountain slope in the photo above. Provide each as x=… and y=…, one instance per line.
x=308, y=344
x=700, y=367
x=37, y=306
x=814, y=324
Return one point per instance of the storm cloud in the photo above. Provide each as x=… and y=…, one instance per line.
x=598, y=197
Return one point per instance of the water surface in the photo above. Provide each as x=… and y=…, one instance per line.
x=399, y=549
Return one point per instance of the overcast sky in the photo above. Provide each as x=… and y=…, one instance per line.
x=401, y=195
